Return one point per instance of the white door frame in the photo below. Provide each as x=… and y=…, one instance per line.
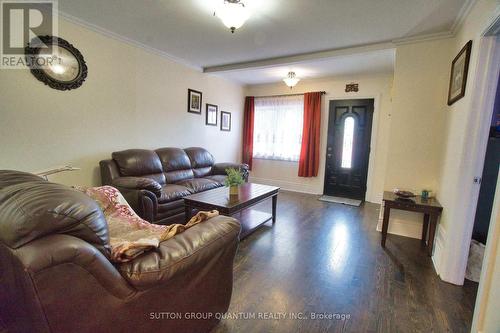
x=454, y=258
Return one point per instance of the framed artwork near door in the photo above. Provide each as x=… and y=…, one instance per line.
x=211, y=117
x=194, y=101
x=458, y=76
x=225, y=121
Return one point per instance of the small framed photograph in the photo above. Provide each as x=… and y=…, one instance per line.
x=194, y=101
x=211, y=115
x=458, y=77
x=225, y=121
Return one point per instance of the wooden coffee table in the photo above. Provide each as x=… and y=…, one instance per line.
x=238, y=207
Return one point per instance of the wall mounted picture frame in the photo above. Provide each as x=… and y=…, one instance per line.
x=211, y=114
x=458, y=76
x=225, y=121
x=195, y=101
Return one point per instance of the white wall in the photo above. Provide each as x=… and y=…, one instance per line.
x=459, y=141
x=131, y=99
x=416, y=141
x=284, y=174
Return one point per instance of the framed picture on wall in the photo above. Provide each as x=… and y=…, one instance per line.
x=458, y=77
x=211, y=115
x=194, y=101
x=225, y=121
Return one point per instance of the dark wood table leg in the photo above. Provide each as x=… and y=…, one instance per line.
x=385, y=224
x=188, y=212
x=275, y=201
x=432, y=233
x=425, y=227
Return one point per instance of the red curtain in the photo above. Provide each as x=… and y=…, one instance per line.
x=309, y=152
x=248, y=131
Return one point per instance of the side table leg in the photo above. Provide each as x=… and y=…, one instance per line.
x=275, y=201
x=385, y=224
x=425, y=227
x=432, y=233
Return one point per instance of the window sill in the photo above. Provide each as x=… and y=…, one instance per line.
x=274, y=159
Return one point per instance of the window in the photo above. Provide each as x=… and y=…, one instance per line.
x=347, y=142
x=278, y=127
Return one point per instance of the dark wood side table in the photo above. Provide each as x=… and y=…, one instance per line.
x=430, y=207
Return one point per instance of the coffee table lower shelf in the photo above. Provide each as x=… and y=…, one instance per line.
x=251, y=220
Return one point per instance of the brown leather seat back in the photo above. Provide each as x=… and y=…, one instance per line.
x=31, y=208
x=139, y=163
x=201, y=161
x=176, y=164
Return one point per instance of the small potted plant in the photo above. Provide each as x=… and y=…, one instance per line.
x=233, y=180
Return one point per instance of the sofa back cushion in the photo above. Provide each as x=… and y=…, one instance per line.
x=32, y=208
x=176, y=164
x=201, y=161
x=139, y=163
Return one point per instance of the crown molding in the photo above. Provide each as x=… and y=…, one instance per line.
x=423, y=38
x=462, y=14
x=126, y=40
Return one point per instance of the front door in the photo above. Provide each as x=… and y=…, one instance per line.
x=348, y=148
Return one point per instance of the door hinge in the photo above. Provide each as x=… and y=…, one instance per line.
x=477, y=180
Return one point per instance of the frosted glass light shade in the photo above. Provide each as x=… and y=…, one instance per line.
x=291, y=80
x=232, y=14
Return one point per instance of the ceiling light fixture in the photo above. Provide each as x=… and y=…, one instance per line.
x=233, y=14
x=291, y=80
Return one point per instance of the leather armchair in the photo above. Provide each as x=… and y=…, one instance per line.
x=56, y=275
x=155, y=182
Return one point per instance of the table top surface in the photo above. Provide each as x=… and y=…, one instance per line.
x=219, y=197
x=417, y=201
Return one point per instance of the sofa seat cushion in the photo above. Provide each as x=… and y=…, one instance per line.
x=172, y=192
x=195, y=248
x=198, y=184
x=219, y=179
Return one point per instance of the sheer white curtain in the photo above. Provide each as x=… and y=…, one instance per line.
x=278, y=127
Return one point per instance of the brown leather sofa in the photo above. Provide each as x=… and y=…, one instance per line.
x=55, y=275
x=155, y=181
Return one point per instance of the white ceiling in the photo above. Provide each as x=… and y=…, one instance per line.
x=187, y=30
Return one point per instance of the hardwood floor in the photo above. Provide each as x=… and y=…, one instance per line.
x=326, y=258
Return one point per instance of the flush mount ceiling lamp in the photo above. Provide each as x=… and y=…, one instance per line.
x=233, y=14
x=291, y=80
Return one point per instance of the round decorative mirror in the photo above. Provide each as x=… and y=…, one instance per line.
x=56, y=62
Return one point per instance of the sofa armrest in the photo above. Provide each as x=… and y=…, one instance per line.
x=137, y=183
x=197, y=248
x=54, y=250
x=220, y=169
x=143, y=202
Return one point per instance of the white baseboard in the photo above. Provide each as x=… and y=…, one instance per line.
x=408, y=226
x=287, y=186
x=439, y=246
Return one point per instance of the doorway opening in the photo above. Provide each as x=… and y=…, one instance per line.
x=348, y=149
x=487, y=190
